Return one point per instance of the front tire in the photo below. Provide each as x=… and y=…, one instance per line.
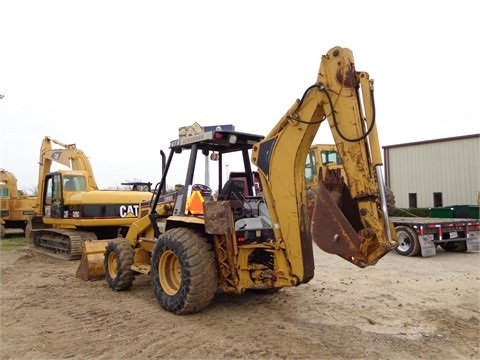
x=408, y=244
x=117, y=264
x=183, y=271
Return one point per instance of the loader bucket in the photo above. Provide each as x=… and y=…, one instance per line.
x=91, y=263
x=334, y=234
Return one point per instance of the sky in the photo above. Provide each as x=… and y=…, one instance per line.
x=119, y=78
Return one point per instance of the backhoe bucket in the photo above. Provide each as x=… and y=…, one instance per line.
x=91, y=263
x=334, y=234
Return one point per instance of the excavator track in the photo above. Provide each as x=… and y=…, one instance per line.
x=65, y=244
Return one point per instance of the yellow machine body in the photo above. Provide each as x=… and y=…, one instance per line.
x=243, y=239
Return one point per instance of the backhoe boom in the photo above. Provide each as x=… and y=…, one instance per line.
x=361, y=234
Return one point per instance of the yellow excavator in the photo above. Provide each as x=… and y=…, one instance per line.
x=196, y=241
x=70, y=209
x=324, y=164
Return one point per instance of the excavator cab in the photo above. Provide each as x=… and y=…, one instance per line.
x=58, y=190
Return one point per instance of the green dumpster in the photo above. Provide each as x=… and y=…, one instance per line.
x=440, y=212
x=455, y=211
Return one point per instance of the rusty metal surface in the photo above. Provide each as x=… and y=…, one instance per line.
x=334, y=183
x=332, y=232
x=218, y=218
x=91, y=263
x=347, y=77
x=219, y=222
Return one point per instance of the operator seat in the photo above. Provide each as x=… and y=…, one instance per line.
x=69, y=185
x=232, y=190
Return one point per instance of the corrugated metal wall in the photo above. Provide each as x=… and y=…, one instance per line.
x=448, y=166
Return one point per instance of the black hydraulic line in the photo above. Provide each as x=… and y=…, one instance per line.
x=320, y=87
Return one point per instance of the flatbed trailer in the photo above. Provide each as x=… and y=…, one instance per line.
x=422, y=235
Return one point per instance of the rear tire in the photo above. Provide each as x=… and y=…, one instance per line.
x=183, y=271
x=117, y=264
x=454, y=246
x=408, y=244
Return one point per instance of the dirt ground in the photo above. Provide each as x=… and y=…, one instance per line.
x=402, y=308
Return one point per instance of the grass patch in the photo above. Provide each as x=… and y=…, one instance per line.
x=411, y=212
x=12, y=241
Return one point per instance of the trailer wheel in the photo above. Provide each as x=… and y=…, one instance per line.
x=408, y=244
x=117, y=263
x=454, y=246
x=183, y=271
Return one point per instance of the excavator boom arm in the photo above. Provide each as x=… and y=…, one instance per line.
x=362, y=234
x=67, y=155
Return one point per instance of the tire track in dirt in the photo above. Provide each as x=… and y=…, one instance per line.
x=343, y=313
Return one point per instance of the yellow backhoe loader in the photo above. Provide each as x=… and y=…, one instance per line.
x=192, y=244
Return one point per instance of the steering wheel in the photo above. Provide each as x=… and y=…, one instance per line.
x=204, y=189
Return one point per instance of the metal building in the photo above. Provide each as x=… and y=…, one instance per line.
x=434, y=173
